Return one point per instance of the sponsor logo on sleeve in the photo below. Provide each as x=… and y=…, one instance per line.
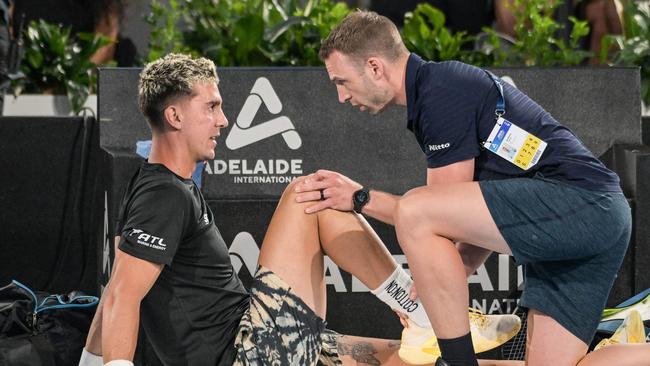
x=148, y=240
x=439, y=147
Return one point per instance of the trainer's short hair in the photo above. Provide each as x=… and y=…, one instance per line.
x=168, y=78
x=364, y=34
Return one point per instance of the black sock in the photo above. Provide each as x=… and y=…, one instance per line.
x=458, y=351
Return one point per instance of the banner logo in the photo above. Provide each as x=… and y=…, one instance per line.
x=244, y=253
x=267, y=169
x=242, y=134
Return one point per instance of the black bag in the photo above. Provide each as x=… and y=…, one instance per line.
x=41, y=329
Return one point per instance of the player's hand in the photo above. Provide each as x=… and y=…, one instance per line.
x=402, y=318
x=329, y=189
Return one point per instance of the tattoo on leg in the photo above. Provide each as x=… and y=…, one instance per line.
x=361, y=352
x=394, y=344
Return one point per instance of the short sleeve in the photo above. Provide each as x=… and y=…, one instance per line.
x=153, y=228
x=449, y=139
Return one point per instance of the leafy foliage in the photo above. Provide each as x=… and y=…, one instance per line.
x=424, y=33
x=536, y=42
x=251, y=33
x=57, y=63
x=634, y=46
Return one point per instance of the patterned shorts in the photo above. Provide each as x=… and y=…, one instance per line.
x=280, y=329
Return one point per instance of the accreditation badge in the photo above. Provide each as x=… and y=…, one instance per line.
x=515, y=144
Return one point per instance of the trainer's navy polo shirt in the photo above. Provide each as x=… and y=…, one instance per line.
x=450, y=109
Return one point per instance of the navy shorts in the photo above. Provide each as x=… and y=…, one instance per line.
x=571, y=242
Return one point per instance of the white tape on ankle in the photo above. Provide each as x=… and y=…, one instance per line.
x=119, y=363
x=90, y=359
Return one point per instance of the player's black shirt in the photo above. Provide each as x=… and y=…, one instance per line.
x=191, y=313
x=450, y=107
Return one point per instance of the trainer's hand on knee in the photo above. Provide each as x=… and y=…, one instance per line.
x=329, y=189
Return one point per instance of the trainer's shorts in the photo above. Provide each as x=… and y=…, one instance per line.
x=571, y=242
x=280, y=329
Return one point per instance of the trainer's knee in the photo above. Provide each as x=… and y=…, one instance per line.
x=408, y=212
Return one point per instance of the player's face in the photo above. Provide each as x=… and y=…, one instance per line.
x=204, y=121
x=355, y=85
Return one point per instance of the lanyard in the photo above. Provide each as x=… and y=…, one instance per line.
x=500, y=109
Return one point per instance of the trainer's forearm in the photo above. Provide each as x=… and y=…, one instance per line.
x=121, y=318
x=381, y=206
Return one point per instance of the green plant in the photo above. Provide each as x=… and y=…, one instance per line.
x=424, y=33
x=57, y=63
x=634, y=46
x=296, y=29
x=536, y=42
x=252, y=33
x=165, y=37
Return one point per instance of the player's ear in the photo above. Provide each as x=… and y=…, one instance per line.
x=173, y=116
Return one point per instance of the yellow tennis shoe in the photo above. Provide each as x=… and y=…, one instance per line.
x=420, y=345
x=630, y=331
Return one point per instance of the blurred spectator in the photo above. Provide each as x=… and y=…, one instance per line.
x=100, y=16
x=603, y=17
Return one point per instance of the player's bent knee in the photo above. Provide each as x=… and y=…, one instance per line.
x=290, y=189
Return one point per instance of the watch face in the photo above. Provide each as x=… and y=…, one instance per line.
x=361, y=196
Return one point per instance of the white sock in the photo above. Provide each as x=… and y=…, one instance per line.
x=90, y=359
x=395, y=292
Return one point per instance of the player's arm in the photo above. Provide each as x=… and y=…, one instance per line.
x=463, y=171
x=94, y=339
x=131, y=281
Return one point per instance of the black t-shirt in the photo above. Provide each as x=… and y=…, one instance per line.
x=191, y=313
x=451, y=112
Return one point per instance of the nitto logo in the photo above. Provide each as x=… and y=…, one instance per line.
x=242, y=134
x=438, y=147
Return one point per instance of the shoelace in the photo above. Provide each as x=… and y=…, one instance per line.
x=609, y=342
x=478, y=318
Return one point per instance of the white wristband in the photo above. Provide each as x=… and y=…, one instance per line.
x=119, y=363
x=90, y=359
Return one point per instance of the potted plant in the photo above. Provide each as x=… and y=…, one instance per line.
x=634, y=46
x=254, y=33
x=56, y=64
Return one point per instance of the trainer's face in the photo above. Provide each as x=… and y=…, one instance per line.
x=203, y=121
x=360, y=85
